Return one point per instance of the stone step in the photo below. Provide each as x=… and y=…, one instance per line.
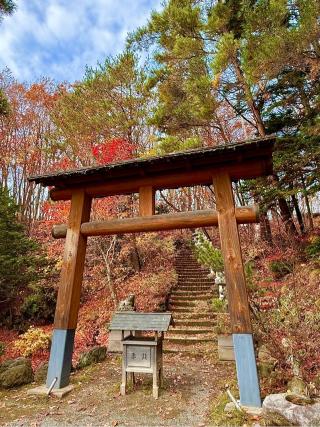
x=189, y=263
x=187, y=340
x=179, y=291
x=194, y=322
x=191, y=310
x=185, y=352
x=185, y=304
x=191, y=315
x=195, y=288
x=182, y=310
x=197, y=279
x=195, y=284
x=181, y=298
x=184, y=331
x=193, y=275
x=194, y=278
x=199, y=297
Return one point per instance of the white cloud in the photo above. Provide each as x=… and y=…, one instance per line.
x=58, y=38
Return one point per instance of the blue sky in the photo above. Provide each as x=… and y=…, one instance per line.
x=58, y=38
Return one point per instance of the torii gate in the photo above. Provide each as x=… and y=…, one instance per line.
x=205, y=166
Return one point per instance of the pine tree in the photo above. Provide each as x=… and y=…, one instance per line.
x=6, y=7
x=259, y=57
x=20, y=261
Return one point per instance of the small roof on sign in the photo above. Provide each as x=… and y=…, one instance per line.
x=133, y=321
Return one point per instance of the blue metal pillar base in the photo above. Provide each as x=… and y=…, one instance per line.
x=60, y=357
x=246, y=370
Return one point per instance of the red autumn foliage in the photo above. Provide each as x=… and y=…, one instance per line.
x=113, y=150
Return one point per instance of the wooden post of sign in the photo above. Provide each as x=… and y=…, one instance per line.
x=237, y=294
x=146, y=201
x=68, y=302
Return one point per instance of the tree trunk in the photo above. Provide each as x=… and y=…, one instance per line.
x=298, y=213
x=287, y=217
x=136, y=260
x=107, y=262
x=265, y=228
x=305, y=195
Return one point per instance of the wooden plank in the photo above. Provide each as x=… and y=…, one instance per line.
x=73, y=263
x=192, y=219
x=231, y=250
x=146, y=201
x=185, y=178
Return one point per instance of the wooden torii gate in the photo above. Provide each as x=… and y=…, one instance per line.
x=205, y=166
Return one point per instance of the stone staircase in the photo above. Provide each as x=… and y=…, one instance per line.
x=189, y=303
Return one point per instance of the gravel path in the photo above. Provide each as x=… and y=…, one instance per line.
x=189, y=387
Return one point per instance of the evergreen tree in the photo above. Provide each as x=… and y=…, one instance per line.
x=6, y=7
x=20, y=262
x=262, y=59
x=110, y=102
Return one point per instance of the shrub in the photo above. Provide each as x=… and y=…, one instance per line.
x=218, y=305
x=281, y=268
x=313, y=248
x=206, y=253
x=2, y=348
x=34, y=340
x=39, y=306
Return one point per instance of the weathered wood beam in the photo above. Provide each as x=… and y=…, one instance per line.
x=245, y=170
x=65, y=320
x=231, y=251
x=146, y=201
x=193, y=219
x=238, y=304
x=73, y=263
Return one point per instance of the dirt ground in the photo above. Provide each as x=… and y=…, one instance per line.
x=190, y=386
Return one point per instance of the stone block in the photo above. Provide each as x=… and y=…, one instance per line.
x=57, y=392
x=15, y=372
x=95, y=355
x=225, y=348
x=308, y=415
x=114, y=343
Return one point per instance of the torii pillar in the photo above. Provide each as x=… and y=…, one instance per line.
x=248, y=381
x=66, y=315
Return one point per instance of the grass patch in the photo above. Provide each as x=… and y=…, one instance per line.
x=220, y=418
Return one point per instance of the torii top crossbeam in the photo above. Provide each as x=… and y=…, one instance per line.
x=205, y=166
x=248, y=159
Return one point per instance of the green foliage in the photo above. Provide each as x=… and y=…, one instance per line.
x=6, y=7
x=259, y=58
x=206, y=253
x=2, y=348
x=4, y=104
x=110, y=102
x=218, y=415
x=16, y=250
x=170, y=144
x=179, y=74
x=313, y=248
x=21, y=262
x=281, y=268
x=249, y=271
x=39, y=306
x=218, y=305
